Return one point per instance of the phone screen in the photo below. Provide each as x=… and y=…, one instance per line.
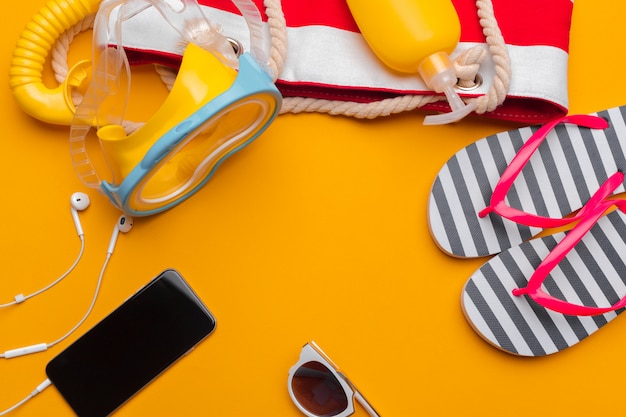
x=131, y=346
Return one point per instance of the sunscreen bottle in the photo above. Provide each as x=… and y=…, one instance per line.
x=416, y=36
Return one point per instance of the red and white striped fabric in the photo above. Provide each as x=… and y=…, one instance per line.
x=327, y=58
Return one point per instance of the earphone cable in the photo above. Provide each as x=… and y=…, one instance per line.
x=21, y=298
x=45, y=384
x=44, y=346
x=91, y=305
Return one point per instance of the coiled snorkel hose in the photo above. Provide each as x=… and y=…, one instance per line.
x=51, y=105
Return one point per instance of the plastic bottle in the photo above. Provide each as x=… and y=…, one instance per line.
x=416, y=36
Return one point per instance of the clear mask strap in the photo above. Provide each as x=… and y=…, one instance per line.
x=193, y=27
x=111, y=72
x=258, y=39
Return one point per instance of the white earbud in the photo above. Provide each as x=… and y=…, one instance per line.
x=79, y=202
x=124, y=224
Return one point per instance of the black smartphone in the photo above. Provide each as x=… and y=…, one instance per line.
x=133, y=345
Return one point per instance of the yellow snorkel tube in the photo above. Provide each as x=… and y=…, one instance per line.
x=51, y=105
x=218, y=104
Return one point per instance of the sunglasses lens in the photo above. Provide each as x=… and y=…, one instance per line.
x=317, y=390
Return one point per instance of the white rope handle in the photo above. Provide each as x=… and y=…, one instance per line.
x=502, y=80
x=466, y=67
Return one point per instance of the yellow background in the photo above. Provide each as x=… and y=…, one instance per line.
x=317, y=230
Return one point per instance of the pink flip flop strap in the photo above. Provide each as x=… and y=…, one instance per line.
x=517, y=164
x=533, y=288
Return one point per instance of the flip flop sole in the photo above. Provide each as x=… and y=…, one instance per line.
x=593, y=274
x=562, y=174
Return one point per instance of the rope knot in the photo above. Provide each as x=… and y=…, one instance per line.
x=467, y=65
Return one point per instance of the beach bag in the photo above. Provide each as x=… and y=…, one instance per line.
x=511, y=58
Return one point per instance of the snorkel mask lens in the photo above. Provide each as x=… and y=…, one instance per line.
x=188, y=164
x=212, y=111
x=187, y=155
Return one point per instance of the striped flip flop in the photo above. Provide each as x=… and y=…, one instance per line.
x=561, y=176
x=591, y=274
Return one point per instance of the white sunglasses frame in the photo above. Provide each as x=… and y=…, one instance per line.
x=311, y=352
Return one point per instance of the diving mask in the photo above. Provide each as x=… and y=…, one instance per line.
x=218, y=104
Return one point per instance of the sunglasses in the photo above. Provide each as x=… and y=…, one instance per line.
x=319, y=389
